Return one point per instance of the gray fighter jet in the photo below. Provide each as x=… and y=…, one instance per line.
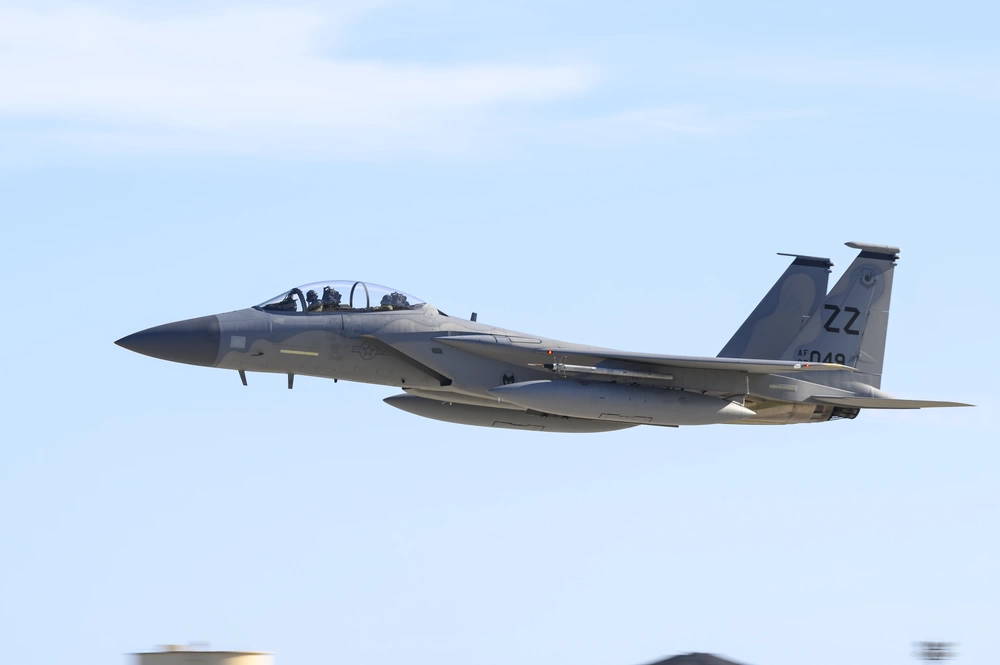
x=802, y=356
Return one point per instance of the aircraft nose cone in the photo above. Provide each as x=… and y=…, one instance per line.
x=194, y=341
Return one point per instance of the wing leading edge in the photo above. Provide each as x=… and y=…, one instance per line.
x=488, y=345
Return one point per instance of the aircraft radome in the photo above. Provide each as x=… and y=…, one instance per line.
x=802, y=356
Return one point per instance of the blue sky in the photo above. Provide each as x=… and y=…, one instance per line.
x=604, y=174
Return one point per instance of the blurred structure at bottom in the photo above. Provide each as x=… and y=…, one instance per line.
x=189, y=655
x=934, y=651
x=173, y=654
x=695, y=659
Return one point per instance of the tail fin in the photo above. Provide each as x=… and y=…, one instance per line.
x=787, y=307
x=850, y=328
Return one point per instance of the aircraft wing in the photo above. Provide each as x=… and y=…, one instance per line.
x=883, y=403
x=609, y=361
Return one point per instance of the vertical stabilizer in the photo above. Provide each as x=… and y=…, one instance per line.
x=787, y=307
x=850, y=327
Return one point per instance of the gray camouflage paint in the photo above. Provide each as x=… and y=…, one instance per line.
x=801, y=356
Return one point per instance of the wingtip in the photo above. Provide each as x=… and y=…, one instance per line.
x=824, y=366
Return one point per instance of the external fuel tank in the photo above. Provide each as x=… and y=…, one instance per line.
x=507, y=418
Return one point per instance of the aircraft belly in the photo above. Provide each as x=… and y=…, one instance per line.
x=387, y=371
x=621, y=402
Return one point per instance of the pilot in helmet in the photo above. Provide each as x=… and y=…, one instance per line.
x=312, y=301
x=331, y=298
x=395, y=299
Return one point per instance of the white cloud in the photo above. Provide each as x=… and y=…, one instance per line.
x=679, y=120
x=656, y=121
x=243, y=79
x=980, y=80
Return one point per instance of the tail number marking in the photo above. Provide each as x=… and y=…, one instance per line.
x=834, y=312
x=815, y=356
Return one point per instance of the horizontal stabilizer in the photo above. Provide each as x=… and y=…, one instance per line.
x=884, y=403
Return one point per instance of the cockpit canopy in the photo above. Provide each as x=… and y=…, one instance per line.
x=340, y=296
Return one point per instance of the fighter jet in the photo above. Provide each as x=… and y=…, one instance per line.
x=802, y=356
